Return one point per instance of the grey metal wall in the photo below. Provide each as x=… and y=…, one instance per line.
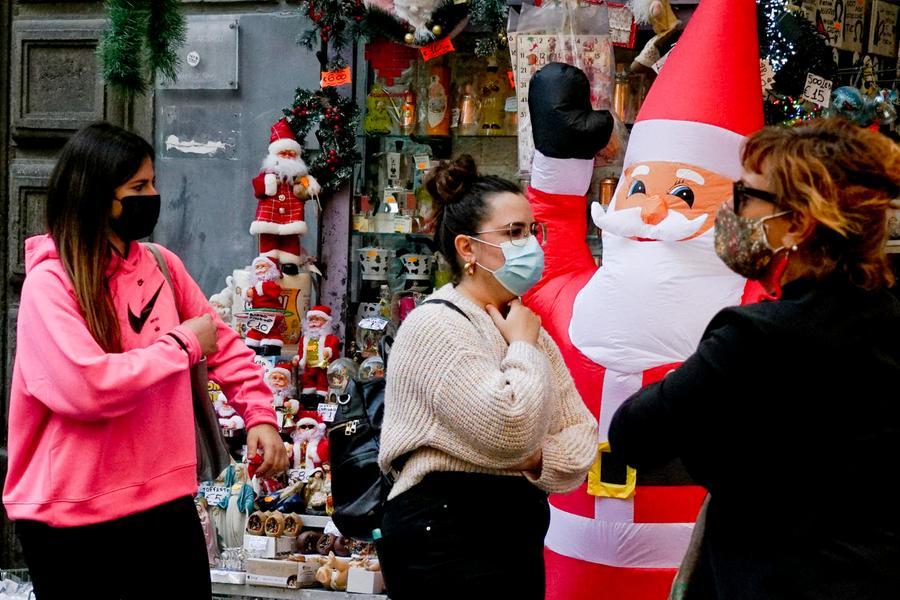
x=208, y=202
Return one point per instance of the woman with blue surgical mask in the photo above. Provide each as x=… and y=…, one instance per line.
x=482, y=419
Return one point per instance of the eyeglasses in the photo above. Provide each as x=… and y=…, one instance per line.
x=520, y=232
x=743, y=192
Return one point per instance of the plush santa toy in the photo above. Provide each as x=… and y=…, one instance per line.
x=280, y=381
x=318, y=348
x=281, y=187
x=628, y=323
x=264, y=327
x=310, y=442
x=229, y=419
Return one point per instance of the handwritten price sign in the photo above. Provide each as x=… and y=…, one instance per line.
x=435, y=49
x=336, y=78
x=818, y=90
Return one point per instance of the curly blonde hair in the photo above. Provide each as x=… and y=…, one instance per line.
x=844, y=177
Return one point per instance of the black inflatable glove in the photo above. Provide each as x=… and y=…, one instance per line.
x=563, y=123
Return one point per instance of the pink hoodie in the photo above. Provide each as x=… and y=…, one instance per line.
x=96, y=436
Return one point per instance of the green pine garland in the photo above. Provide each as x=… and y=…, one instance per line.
x=336, y=118
x=141, y=40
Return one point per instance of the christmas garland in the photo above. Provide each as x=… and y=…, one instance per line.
x=141, y=32
x=483, y=16
x=341, y=21
x=334, y=21
x=336, y=118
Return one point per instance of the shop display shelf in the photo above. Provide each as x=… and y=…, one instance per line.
x=426, y=138
x=392, y=235
x=228, y=590
x=893, y=247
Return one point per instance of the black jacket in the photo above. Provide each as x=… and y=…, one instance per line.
x=789, y=414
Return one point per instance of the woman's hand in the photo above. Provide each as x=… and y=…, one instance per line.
x=520, y=325
x=532, y=464
x=275, y=459
x=205, y=329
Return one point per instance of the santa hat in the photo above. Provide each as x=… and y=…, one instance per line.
x=283, y=138
x=283, y=368
x=308, y=417
x=270, y=264
x=319, y=311
x=707, y=98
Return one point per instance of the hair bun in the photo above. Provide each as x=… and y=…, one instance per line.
x=450, y=181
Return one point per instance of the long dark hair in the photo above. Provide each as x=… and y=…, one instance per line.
x=94, y=162
x=460, y=203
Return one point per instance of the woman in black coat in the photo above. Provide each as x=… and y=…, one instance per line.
x=789, y=411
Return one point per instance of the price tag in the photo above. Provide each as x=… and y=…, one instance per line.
x=438, y=48
x=512, y=104
x=327, y=411
x=336, y=78
x=766, y=75
x=423, y=162
x=818, y=90
x=215, y=493
x=261, y=322
x=295, y=475
x=402, y=224
x=374, y=323
x=256, y=545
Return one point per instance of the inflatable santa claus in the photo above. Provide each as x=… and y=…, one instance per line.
x=282, y=187
x=317, y=349
x=628, y=323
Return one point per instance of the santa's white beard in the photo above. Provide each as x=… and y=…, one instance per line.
x=285, y=168
x=315, y=333
x=628, y=223
x=650, y=302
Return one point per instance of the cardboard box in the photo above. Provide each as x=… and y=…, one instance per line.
x=361, y=581
x=281, y=573
x=232, y=577
x=258, y=546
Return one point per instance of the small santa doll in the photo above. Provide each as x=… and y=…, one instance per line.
x=280, y=382
x=229, y=420
x=264, y=327
x=281, y=187
x=310, y=442
x=318, y=348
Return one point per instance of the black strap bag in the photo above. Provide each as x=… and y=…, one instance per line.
x=358, y=487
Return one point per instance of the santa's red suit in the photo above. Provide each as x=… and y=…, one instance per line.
x=280, y=217
x=628, y=323
x=266, y=294
x=317, y=351
x=310, y=442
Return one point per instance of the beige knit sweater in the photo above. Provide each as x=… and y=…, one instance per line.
x=460, y=399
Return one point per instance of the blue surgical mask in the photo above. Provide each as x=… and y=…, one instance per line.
x=523, y=267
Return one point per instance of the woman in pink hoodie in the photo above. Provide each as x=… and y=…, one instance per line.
x=102, y=458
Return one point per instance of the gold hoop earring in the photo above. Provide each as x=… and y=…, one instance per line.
x=469, y=269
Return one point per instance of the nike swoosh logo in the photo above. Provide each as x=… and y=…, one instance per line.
x=137, y=323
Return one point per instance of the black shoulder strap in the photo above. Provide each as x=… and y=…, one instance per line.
x=448, y=304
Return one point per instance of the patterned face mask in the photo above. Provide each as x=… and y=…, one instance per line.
x=742, y=244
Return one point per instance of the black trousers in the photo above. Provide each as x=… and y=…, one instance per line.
x=465, y=535
x=159, y=553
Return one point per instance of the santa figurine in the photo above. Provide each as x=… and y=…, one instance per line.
x=264, y=326
x=318, y=348
x=282, y=187
x=310, y=442
x=280, y=381
x=229, y=419
x=627, y=323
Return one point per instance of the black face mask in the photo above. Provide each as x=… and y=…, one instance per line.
x=138, y=218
